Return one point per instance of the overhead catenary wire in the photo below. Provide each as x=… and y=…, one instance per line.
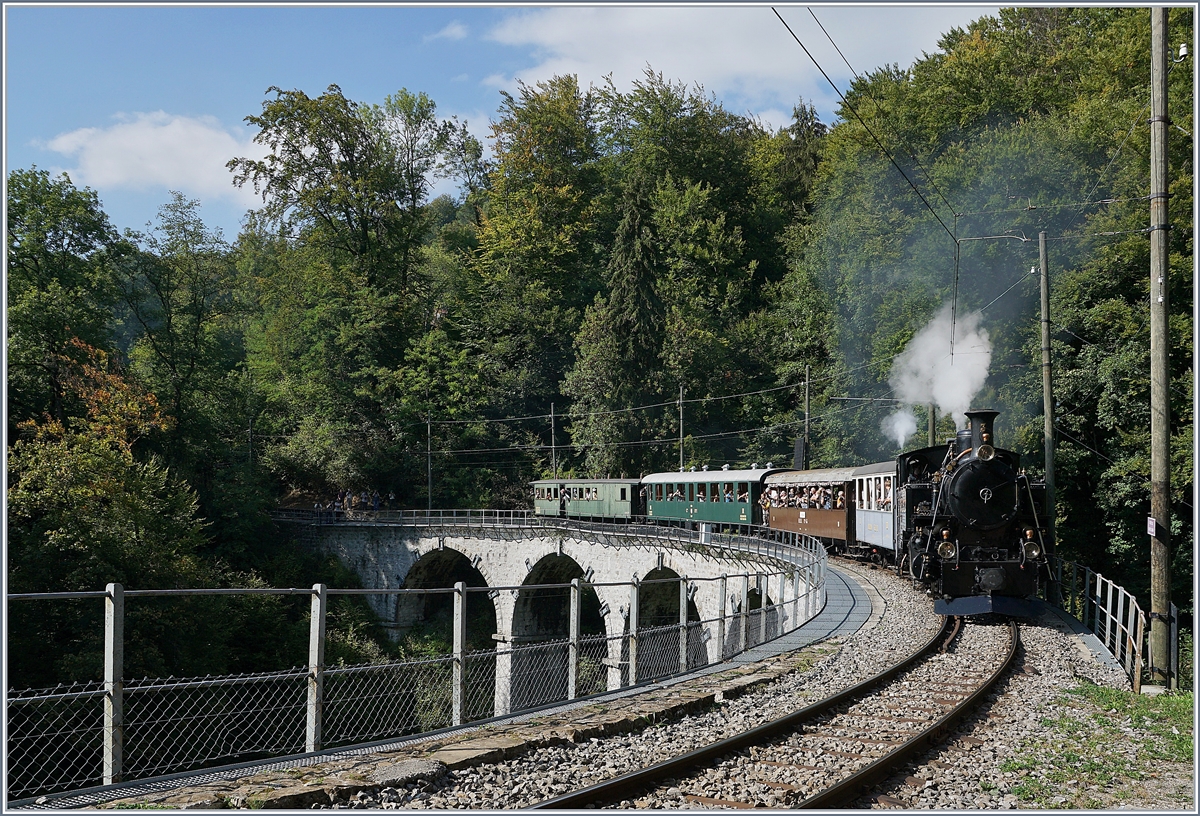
x=867, y=128
x=928, y=178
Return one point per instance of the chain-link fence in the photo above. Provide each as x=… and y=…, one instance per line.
x=564, y=644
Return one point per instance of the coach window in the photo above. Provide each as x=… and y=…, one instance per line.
x=743, y=491
x=701, y=492
x=691, y=492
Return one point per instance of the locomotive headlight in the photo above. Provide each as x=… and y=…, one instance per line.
x=1032, y=549
x=986, y=453
x=946, y=549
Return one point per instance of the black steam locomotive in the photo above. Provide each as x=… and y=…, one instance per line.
x=970, y=525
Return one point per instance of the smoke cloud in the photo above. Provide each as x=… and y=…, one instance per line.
x=926, y=372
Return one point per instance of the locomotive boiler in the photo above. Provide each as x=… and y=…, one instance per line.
x=971, y=524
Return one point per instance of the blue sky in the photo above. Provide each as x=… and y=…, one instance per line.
x=135, y=101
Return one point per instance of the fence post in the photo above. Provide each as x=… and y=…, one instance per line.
x=1085, y=597
x=316, y=668
x=458, y=698
x=573, y=643
x=762, y=581
x=721, y=618
x=683, y=624
x=745, y=612
x=796, y=595
x=633, y=632
x=781, y=603
x=114, y=683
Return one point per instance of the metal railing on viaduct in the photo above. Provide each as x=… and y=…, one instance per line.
x=113, y=730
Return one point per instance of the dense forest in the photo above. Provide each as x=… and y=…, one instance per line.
x=611, y=247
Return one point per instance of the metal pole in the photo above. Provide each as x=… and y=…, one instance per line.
x=633, y=633
x=761, y=582
x=316, y=668
x=1160, y=406
x=553, y=443
x=681, y=429
x=721, y=617
x=114, y=683
x=1047, y=386
x=683, y=624
x=457, y=694
x=806, y=378
x=428, y=464
x=745, y=621
x=573, y=642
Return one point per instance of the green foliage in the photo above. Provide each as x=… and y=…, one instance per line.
x=59, y=288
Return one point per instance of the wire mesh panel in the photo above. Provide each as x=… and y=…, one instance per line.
x=175, y=725
x=658, y=651
x=55, y=738
x=387, y=699
x=539, y=674
x=479, y=684
x=591, y=675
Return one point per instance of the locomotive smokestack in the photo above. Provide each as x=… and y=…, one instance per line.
x=982, y=427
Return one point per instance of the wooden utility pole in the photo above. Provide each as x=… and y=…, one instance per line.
x=553, y=443
x=428, y=463
x=681, y=429
x=932, y=426
x=807, y=371
x=1160, y=408
x=1047, y=392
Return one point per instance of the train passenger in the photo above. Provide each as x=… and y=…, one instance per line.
x=728, y=493
x=743, y=496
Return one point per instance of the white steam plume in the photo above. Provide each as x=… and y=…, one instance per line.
x=925, y=372
x=899, y=426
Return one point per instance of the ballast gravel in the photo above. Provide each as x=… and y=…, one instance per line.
x=963, y=773
x=906, y=622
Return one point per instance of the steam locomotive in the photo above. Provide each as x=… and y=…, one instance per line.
x=971, y=525
x=962, y=519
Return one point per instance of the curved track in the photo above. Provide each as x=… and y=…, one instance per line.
x=830, y=752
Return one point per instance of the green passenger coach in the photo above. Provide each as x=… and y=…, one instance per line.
x=588, y=498
x=717, y=496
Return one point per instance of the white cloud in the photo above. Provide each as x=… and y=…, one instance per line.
x=742, y=54
x=145, y=151
x=454, y=31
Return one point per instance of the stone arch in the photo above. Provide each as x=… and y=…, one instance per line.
x=658, y=627
x=432, y=615
x=540, y=633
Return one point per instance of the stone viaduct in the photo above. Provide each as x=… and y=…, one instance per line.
x=518, y=570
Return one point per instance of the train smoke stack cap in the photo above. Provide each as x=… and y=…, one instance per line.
x=982, y=425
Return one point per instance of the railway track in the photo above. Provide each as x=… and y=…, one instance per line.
x=831, y=752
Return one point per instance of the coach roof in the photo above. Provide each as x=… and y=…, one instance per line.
x=709, y=476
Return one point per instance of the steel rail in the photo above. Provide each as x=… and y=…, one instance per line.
x=864, y=779
x=616, y=788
